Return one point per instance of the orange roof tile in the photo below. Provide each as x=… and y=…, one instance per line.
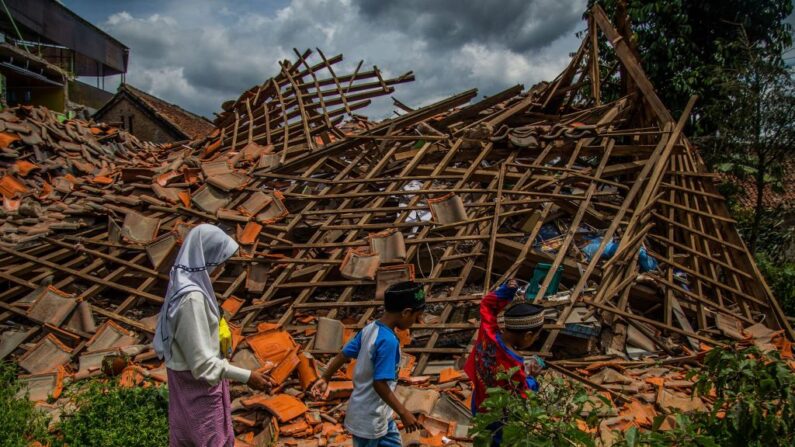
x=436, y=426
x=307, y=371
x=10, y=186
x=286, y=367
x=295, y=429
x=266, y=326
x=271, y=346
x=450, y=375
x=24, y=167
x=102, y=180
x=212, y=147
x=404, y=336
x=328, y=429
x=359, y=264
x=284, y=407
x=131, y=376
x=191, y=175
x=11, y=205
x=232, y=305
x=250, y=233
x=408, y=362
x=184, y=196
x=339, y=389
x=7, y=138
x=643, y=414
x=166, y=177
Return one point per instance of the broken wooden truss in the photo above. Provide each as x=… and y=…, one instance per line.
x=599, y=204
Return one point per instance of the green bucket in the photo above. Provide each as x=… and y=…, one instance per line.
x=539, y=274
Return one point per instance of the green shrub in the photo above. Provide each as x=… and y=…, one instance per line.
x=757, y=394
x=775, y=237
x=780, y=277
x=754, y=405
x=109, y=415
x=547, y=418
x=20, y=422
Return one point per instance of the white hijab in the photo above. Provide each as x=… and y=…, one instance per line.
x=205, y=247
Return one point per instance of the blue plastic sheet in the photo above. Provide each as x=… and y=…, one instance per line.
x=590, y=249
x=645, y=262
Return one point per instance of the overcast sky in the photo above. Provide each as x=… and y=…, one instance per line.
x=199, y=53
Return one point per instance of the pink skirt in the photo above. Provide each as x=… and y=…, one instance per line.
x=199, y=415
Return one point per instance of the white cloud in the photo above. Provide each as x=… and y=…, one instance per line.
x=201, y=55
x=119, y=17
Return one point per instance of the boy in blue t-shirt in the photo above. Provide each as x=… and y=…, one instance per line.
x=377, y=353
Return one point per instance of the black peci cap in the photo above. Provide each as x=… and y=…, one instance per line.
x=404, y=295
x=523, y=316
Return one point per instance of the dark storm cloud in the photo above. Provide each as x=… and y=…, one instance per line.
x=200, y=53
x=519, y=25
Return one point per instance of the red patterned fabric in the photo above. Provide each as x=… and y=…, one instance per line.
x=489, y=354
x=199, y=415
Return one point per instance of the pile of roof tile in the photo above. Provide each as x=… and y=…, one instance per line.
x=47, y=166
x=597, y=204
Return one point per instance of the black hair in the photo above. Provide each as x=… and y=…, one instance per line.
x=404, y=295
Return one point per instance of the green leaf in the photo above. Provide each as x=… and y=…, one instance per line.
x=631, y=437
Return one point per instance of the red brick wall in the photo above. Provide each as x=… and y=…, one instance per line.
x=143, y=127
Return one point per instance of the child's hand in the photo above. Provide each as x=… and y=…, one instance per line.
x=410, y=423
x=533, y=366
x=319, y=389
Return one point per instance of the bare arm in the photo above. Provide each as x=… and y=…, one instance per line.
x=321, y=385
x=381, y=388
x=334, y=365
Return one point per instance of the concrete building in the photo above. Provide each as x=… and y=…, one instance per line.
x=45, y=47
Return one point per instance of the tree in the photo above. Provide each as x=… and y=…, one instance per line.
x=680, y=42
x=756, y=134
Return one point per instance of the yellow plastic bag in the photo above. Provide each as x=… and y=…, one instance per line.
x=225, y=338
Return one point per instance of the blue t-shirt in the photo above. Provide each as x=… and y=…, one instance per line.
x=385, y=352
x=377, y=352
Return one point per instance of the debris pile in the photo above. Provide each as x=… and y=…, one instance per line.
x=48, y=167
x=598, y=204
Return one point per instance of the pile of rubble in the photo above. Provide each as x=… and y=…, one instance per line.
x=48, y=166
x=598, y=204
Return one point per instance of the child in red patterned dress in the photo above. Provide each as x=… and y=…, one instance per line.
x=495, y=349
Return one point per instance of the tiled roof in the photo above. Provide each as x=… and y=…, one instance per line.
x=771, y=199
x=191, y=125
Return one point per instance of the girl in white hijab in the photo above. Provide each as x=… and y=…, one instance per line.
x=187, y=338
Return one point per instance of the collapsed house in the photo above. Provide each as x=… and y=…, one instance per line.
x=600, y=207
